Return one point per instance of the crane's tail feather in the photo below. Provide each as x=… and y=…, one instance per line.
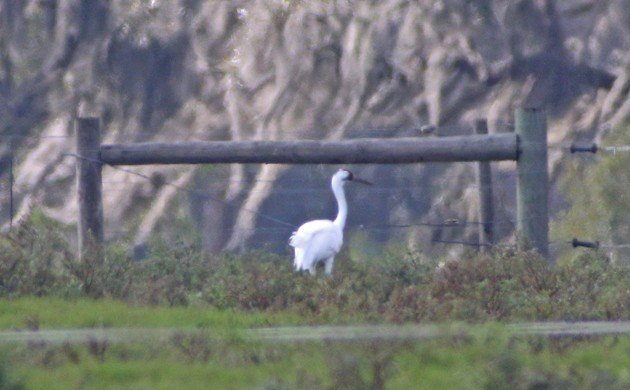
x=298, y=260
x=298, y=241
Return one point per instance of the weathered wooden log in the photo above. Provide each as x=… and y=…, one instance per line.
x=353, y=151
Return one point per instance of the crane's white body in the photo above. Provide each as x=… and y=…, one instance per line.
x=316, y=241
x=321, y=240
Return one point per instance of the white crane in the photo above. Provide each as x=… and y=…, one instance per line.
x=321, y=240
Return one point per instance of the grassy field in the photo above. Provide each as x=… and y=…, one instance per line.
x=51, y=313
x=43, y=286
x=486, y=357
x=478, y=363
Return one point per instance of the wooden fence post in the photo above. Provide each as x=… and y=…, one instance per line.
x=533, y=181
x=484, y=183
x=6, y=164
x=89, y=187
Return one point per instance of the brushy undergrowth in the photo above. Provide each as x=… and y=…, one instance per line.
x=394, y=287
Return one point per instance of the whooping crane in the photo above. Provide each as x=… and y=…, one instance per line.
x=321, y=240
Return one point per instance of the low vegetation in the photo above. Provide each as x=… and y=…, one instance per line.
x=398, y=287
x=42, y=285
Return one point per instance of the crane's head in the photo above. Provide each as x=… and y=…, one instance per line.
x=344, y=175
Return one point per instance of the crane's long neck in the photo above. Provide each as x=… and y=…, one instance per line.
x=342, y=205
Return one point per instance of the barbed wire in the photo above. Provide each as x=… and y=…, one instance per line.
x=180, y=188
x=446, y=223
x=555, y=243
x=575, y=243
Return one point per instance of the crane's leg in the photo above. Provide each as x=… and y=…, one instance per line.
x=329, y=265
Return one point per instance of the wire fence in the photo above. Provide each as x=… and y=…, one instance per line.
x=283, y=226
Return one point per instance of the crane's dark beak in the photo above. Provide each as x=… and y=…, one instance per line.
x=359, y=180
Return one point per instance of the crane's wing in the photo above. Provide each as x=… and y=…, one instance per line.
x=314, y=241
x=305, y=233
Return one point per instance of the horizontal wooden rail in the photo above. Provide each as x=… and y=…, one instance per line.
x=353, y=151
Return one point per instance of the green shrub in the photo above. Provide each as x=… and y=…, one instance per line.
x=502, y=285
x=499, y=285
x=32, y=257
x=396, y=286
x=596, y=190
x=172, y=274
x=594, y=289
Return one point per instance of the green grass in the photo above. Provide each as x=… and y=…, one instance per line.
x=152, y=374
x=489, y=359
x=521, y=364
x=84, y=313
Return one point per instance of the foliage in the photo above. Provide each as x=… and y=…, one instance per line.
x=497, y=286
x=172, y=274
x=597, y=193
x=32, y=258
x=395, y=286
